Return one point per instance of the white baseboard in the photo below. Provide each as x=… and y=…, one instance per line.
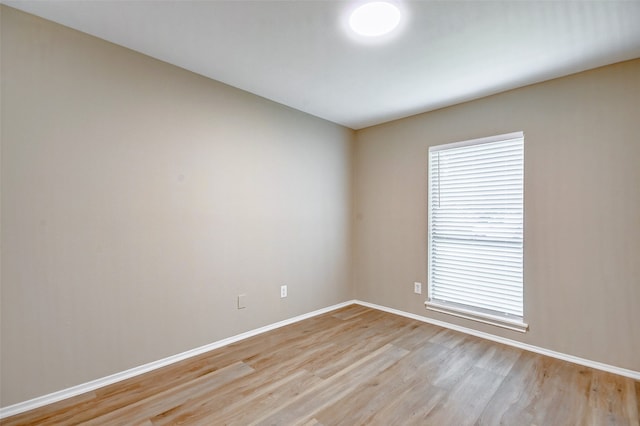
x=31, y=404
x=559, y=355
x=40, y=401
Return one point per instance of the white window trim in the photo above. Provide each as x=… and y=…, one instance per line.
x=452, y=309
x=476, y=316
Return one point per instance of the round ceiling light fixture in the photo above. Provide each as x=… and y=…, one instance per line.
x=375, y=19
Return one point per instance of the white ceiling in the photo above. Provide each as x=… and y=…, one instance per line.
x=300, y=54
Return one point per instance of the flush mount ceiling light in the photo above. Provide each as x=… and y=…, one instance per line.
x=374, y=19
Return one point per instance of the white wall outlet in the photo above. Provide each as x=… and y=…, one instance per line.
x=283, y=291
x=417, y=288
x=242, y=301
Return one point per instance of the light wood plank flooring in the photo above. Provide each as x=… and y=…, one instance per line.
x=357, y=366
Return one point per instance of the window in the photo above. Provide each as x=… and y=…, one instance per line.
x=476, y=230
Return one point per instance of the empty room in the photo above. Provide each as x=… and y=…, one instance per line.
x=320, y=212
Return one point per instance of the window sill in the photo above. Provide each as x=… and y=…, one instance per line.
x=480, y=317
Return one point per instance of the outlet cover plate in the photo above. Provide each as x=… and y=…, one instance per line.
x=242, y=301
x=417, y=288
x=283, y=291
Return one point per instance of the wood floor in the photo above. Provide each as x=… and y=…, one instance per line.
x=357, y=366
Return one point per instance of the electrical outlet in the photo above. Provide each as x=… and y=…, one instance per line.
x=283, y=291
x=242, y=301
x=417, y=288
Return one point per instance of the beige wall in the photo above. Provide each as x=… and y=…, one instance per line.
x=582, y=209
x=138, y=200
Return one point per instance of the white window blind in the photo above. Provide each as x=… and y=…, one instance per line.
x=476, y=229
